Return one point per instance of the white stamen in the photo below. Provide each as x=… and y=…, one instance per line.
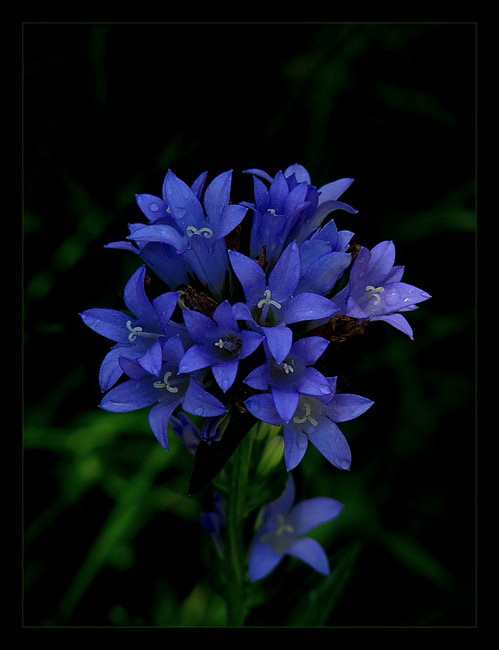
x=283, y=527
x=134, y=331
x=220, y=343
x=375, y=291
x=271, y=211
x=268, y=301
x=165, y=384
x=308, y=417
x=287, y=368
x=206, y=232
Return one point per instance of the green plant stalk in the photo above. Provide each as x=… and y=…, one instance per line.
x=236, y=555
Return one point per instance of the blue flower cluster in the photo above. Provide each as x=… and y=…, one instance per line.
x=261, y=282
x=254, y=294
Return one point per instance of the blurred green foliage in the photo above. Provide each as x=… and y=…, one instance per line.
x=111, y=536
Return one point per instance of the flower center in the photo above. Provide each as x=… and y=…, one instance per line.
x=283, y=527
x=134, y=331
x=306, y=417
x=374, y=292
x=287, y=368
x=267, y=300
x=227, y=345
x=206, y=232
x=165, y=384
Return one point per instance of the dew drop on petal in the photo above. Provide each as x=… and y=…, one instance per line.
x=199, y=410
x=343, y=464
x=153, y=207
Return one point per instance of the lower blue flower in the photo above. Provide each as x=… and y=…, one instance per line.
x=282, y=530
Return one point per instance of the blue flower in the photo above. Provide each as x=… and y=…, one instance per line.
x=196, y=230
x=375, y=291
x=314, y=420
x=164, y=391
x=219, y=344
x=290, y=209
x=273, y=303
x=293, y=377
x=283, y=529
x=138, y=336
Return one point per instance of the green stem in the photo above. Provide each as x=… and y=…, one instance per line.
x=235, y=550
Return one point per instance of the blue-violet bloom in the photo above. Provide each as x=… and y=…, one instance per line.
x=273, y=303
x=219, y=344
x=138, y=336
x=282, y=533
x=375, y=291
x=314, y=421
x=164, y=392
x=293, y=377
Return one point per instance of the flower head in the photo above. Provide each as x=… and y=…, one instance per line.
x=138, y=336
x=375, y=291
x=219, y=344
x=314, y=420
x=290, y=208
x=293, y=377
x=273, y=302
x=282, y=533
x=164, y=391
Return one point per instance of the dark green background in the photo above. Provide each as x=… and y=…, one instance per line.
x=110, y=536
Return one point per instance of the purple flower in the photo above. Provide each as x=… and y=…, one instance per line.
x=164, y=391
x=293, y=377
x=273, y=303
x=314, y=420
x=375, y=291
x=219, y=344
x=195, y=230
x=282, y=531
x=139, y=336
x=290, y=208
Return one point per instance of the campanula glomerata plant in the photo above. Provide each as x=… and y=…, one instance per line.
x=232, y=355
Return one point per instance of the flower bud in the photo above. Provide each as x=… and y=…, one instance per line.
x=271, y=455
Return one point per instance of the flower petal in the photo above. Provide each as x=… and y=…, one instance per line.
x=198, y=325
x=310, y=348
x=344, y=407
x=152, y=359
x=159, y=417
x=184, y=205
x=225, y=374
x=332, y=191
x=250, y=275
x=308, y=306
x=263, y=408
x=196, y=357
x=137, y=301
x=164, y=306
x=331, y=443
x=197, y=401
x=310, y=513
x=250, y=342
x=262, y=560
x=295, y=445
x=286, y=402
x=259, y=377
x=161, y=233
x=108, y=322
x=279, y=340
x=284, y=277
x=131, y=395
x=311, y=552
